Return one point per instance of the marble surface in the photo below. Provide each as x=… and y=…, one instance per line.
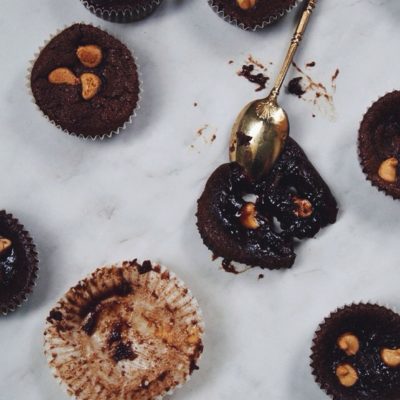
x=91, y=203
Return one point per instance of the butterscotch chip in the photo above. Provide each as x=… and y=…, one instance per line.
x=91, y=84
x=349, y=343
x=61, y=76
x=391, y=357
x=4, y=244
x=248, y=216
x=246, y=4
x=90, y=56
x=347, y=375
x=304, y=208
x=388, y=170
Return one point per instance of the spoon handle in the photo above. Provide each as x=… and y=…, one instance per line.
x=297, y=37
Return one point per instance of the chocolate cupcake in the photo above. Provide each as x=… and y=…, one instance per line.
x=122, y=10
x=255, y=223
x=251, y=14
x=379, y=144
x=356, y=353
x=18, y=263
x=128, y=331
x=86, y=82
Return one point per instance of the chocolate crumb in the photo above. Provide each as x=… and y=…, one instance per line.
x=54, y=316
x=195, y=104
x=294, y=87
x=310, y=64
x=232, y=148
x=335, y=75
x=230, y=62
x=90, y=325
x=123, y=351
x=261, y=276
x=259, y=79
x=213, y=137
x=313, y=115
x=193, y=367
x=115, y=334
x=228, y=267
x=145, y=267
x=165, y=275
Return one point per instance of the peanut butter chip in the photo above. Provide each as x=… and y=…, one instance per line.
x=90, y=56
x=349, y=343
x=63, y=76
x=90, y=85
x=248, y=215
x=391, y=357
x=4, y=244
x=388, y=170
x=304, y=208
x=347, y=375
x=246, y=4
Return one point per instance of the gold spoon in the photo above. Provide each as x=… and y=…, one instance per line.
x=262, y=127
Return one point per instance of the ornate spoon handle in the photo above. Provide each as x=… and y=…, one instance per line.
x=297, y=37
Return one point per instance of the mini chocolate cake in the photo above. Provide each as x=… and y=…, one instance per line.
x=293, y=201
x=86, y=82
x=128, y=331
x=379, y=144
x=18, y=263
x=356, y=353
x=122, y=10
x=252, y=14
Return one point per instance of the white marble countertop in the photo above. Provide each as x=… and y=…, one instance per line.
x=91, y=203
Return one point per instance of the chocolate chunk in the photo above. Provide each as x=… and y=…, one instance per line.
x=259, y=79
x=55, y=316
x=292, y=177
x=145, y=267
x=294, y=87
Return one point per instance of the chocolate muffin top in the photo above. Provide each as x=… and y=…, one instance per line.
x=252, y=14
x=379, y=144
x=122, y=10
x=86, y=82
x=255, y=223
x=356, y=353
x=18, y=263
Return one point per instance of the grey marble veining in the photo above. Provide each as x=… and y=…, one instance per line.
x=91, y=203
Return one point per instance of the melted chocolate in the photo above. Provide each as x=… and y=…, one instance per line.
x=220, y=205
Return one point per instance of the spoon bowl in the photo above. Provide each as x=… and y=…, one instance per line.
x=258, y=136
x=262, y=127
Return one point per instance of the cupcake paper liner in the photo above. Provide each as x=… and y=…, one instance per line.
x=323, y=333
x=241, y=25
x=26, y=241
x=128, y=331
x=360, y=155
x=81, y=136
x=125, y=16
